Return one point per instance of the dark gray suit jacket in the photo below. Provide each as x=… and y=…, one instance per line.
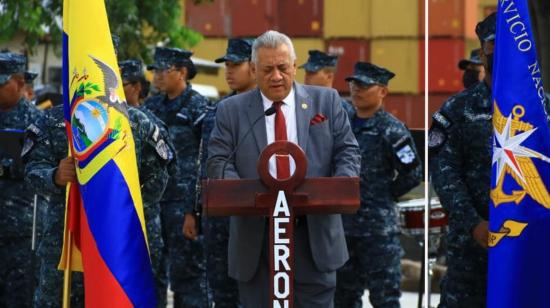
x=331, y=150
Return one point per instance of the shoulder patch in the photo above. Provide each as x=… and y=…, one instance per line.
x=199, y=119
x=406, y=154
x=403, y=149
x=400, y=142
x=436, y=138
x=27, y=146
x=441, y=120
x=163, y=150
x=182, y=116
x=34, y=129
x=156, y=133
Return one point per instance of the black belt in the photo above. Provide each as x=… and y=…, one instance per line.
x=300, y=221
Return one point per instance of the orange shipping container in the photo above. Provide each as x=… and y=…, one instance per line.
x=444, y=74
x=349, y=52
x=251, y=18
x=207, y=18
x=301, y=18
x=435, y=101
x=407, y=108
x=450, y=18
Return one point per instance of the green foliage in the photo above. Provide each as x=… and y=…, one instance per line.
x=86, y=88
x=37, y=19
x=115, y=134
x=140, y=24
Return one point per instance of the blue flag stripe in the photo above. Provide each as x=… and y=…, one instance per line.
x=117, y=231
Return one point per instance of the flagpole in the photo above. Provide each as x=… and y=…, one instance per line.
x=68, y=272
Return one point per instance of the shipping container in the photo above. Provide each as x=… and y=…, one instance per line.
x=443, y=72
x=470, y=45
x=210, y=19
x=252, y=17
x=407, y=108
x=488, y=10
x=450, y=18
x=484, y=3
x=301, y=18
x=435, y=101
x=347, y=20
x=211, y=49
x=349, y=51
x=400, y=56
x=301, y=47
x=394, y=18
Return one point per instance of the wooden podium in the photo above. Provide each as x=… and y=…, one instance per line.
x=281, y=201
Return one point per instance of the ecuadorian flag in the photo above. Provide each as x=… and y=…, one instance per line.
x=105, y=233
x=519, y=224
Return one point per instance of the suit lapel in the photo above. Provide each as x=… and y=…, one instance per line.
x=304, y=113
x=255, y=110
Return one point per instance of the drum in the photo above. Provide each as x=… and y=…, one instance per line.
x=411, y=214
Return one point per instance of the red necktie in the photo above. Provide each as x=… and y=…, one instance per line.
x=282, y=161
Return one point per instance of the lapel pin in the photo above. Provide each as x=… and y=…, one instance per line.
x=304, y=106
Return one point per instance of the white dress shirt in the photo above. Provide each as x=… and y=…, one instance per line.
x=289, y=110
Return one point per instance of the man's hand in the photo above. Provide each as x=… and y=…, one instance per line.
x=66, y=172
x=481, y=233
x=190, y=227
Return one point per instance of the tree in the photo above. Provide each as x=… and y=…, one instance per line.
x=140, y=24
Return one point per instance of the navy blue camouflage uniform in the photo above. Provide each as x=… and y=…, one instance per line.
x=183, y=116
x=47, y=141
x=18, y=276
x=460, y=149
x=460, y=145
x=16, y=200
x=390, y=167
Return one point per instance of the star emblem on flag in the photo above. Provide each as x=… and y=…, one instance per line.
x=513, y=158
x=507, y=148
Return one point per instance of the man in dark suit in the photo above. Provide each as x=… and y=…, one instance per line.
x=331, y=150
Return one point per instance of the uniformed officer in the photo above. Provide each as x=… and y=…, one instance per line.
x=29, y=86
x=390, y=167
x=182, y=109
x=460, y=145
x=320, y=71
x=136, y=87
x=49, y=170
x=474, y=71
x=16, y=201
x=239, y=78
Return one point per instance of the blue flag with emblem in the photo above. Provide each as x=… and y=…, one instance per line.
x=519, y=224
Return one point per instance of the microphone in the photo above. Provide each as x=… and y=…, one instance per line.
x=269, y=111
